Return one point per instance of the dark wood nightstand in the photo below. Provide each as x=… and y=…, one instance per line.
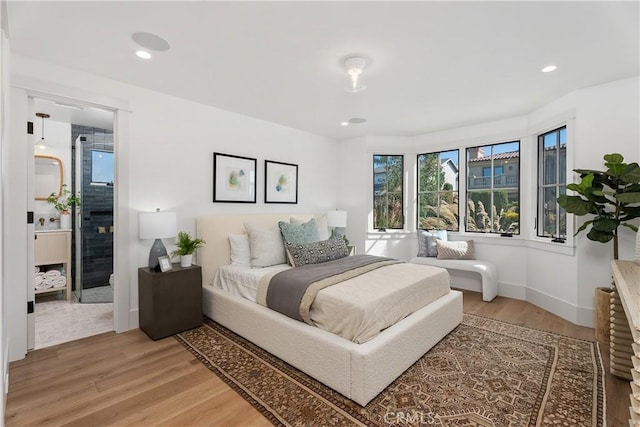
x=169, y=302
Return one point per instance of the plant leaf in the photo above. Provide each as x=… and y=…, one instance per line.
x=583, y=226
x=631, y=226
x=605, y=224
x=616, y=169
x=575, y=204
x=599, y=236
x=613, y=158
x=603, y=192
x=631, y=197
x=629, y=212
x=574, y=187
x=631, y=174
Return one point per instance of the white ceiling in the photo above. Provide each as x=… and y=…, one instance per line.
x=433, y=65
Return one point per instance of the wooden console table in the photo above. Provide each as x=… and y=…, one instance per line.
x=625, y=330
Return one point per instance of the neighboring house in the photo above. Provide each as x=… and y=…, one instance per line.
x=506, y=170
x=450, y=170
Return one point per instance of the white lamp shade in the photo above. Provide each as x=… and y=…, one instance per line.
x=337, y=219
x=157, y=225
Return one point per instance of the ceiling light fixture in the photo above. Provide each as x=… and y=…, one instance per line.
x=354, y=66
x=344, y=123
x=549, y=68
x=143, y=54
x=43, y=116
x=150, y=42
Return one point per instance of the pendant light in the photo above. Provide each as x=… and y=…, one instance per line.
x=43, y=116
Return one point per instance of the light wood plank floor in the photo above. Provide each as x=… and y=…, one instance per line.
x=128, y=379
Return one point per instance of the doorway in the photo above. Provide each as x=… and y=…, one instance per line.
x=73, y=134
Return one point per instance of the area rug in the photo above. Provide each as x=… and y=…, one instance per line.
x=484, y=373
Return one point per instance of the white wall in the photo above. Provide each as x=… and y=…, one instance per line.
x=559, y=278
x=170, y=154
x=4, y=138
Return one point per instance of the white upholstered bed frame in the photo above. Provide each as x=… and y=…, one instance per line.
x=358, y=371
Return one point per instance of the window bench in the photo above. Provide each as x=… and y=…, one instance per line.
x=487, y=270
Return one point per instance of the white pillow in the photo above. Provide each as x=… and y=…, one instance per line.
x=240, y=254
x=321, y=223
x=265, y=245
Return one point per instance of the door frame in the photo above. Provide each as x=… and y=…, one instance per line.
x=23, y=88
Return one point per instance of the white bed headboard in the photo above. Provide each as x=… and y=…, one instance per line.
x=215, y=230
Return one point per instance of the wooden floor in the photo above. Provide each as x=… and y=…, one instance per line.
x=128, y=379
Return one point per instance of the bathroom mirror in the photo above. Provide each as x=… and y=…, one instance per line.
x=48, y=176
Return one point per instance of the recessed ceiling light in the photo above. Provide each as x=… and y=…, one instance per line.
x=357, y=120
x=143, y=54
x=549, y=68
x=344, y=123
x=151, y=41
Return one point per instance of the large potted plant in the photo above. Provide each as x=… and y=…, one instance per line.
x=612, y=196
x=186, y=247
x=63, y=203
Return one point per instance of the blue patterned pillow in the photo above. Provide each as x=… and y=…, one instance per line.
x=317, y=252
x=306, y=232
x=427, y=242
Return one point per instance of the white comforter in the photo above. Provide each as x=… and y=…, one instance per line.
x=359, y=308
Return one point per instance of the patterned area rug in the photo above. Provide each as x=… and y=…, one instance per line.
x=484, y=373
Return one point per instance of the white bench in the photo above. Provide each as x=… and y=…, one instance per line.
x=487, y=270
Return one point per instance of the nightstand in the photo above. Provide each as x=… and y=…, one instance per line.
x=169, y=302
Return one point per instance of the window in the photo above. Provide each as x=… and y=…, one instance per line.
x=493, y=188
x=388, y=187
x=101, y=167
x=552, y=172
x=438, y=191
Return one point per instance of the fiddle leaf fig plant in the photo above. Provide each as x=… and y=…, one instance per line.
x=612, y=196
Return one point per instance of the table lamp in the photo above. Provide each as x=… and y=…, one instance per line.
x=157, y=225
x=337, y=220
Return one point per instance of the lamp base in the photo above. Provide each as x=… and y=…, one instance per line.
x=157, y=250
x=338, y=232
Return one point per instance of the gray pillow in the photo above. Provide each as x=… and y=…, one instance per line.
x=317, y=252
x=427, y=242
x=305, y=232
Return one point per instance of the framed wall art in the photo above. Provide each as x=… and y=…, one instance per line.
x=280, y=182
x=234, y=179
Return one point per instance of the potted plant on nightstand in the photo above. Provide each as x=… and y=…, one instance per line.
x=63, y=203
x=186, y=247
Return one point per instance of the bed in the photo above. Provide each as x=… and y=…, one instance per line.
x=358, y=371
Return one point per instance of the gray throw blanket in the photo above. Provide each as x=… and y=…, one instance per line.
x=291, y=292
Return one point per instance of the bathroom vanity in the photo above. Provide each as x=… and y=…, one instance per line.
x=53, y=247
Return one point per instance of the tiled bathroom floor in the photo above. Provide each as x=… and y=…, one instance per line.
x=59, y=321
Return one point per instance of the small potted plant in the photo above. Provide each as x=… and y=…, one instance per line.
x=186, y=247
x=63, y=203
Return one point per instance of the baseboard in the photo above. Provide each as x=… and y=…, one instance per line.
x=553, y=304
x=512, y=290
x=586, y=317
x=5, y=378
